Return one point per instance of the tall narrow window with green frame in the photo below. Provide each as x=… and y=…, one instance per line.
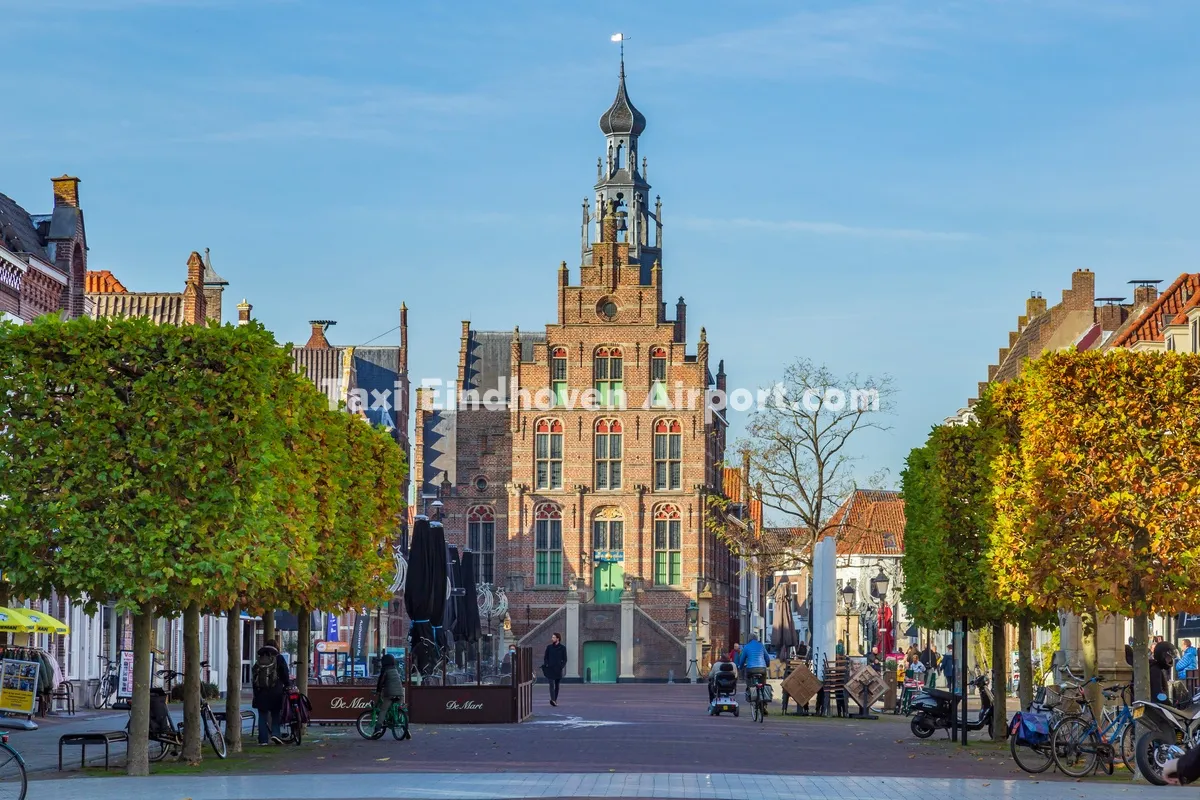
x=548, y=454
x=608, y=454
x=668, y=455
x=481, y=538
x=548, y=545
x=660, y=395
x=668, y=546
x=558, y=376
x=608, y=369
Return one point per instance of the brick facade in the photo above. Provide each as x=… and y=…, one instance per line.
x=481, y=461
x=43, y=257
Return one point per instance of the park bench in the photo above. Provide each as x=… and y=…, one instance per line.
x=106, y=738
x=245, y=715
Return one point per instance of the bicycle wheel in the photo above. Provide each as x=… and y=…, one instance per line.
x=158, y=749
x=400, y=724
x=1033, y=759
x=1127, y=747
x=13, y=781
x=368, y=724
x=212, y=731
x=297, y=732
x=1075, y=744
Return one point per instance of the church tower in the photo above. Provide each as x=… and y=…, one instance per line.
x=622, y=191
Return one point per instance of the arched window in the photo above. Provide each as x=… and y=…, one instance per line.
x=668, y=455
x=548, y=545
x=608, y=454
x=558, y=376
x=668, y=546
x=609, y=377
x=608, y=530
x=481, y=538
x=548, y=454
x=659, y=395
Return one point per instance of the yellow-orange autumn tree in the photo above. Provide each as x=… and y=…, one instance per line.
x=1097, y=488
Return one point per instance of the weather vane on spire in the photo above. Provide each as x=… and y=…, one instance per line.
x=620, y=37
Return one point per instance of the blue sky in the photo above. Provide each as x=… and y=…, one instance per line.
x=877, y=186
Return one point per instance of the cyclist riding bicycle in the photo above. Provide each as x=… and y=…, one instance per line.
x=754, y=659
x=390, y=686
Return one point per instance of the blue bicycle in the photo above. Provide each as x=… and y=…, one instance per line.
x=1080, y=746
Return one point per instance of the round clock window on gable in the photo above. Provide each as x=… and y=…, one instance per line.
x=481, y=484
x=608, y=309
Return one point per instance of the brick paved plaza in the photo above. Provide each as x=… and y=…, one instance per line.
x=601, y=741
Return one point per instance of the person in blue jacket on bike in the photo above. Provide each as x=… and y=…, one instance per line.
x=754, y=659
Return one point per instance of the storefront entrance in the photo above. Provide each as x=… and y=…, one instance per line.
x=600, y=660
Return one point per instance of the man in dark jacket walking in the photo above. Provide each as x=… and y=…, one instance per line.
x=553, y=664
x=270, y=679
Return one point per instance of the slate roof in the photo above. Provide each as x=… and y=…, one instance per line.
x=374, y=369
x=1148, y=327
x=1029, y=338
x=621, y=116
x=164, y=308
x=489, y=357
x=18, y=232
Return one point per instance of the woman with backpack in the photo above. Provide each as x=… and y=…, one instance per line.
x=270, y=679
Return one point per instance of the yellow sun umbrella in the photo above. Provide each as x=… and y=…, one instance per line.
x=13, y=621
x=44, y=623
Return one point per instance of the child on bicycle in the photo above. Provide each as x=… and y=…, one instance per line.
x=390, y=687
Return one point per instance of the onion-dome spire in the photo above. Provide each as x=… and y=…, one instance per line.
x=622, y=117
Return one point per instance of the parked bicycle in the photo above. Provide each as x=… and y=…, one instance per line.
x=372, y=723
x=13, y=781
x=296, y=710
x=166, y=738
x=1080, y=745
x=106, y=687
x=1030, y=730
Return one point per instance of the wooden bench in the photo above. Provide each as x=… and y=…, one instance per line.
x=245, y=715
x=106, y=738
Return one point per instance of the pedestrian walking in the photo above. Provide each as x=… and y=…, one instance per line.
x=553, y=664
x=948, y=667
x=1187, y=660
x=270, y=679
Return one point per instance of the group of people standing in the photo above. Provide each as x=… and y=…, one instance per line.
x=928, y=664
x=1166, y=664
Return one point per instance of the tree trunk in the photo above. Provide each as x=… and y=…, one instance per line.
x=1141, y=663
x=1091, y=660
x=191, y=684
x=1025, y=660
x=1000, y=680
x=303, y=645
x=233, y=680
x=137, y=760
x=268, y=620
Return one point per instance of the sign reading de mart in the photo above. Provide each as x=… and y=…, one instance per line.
x=339, y=703
x=462, y=704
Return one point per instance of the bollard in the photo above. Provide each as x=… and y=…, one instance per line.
x=671, y=676
x=588, y=675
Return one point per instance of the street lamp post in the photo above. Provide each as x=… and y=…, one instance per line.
x=848, y=600
x=693, y=622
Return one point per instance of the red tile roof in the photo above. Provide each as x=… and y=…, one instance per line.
x=734, y=490
x=102, y=281
x=1148, y=326
x=1181, y=317
x=870, y=523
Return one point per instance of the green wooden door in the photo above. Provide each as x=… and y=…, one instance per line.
x=601, y=659
x=610, y=581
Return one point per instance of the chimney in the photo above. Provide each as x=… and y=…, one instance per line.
x=721, y=379
x=681, y=321
x=194, y=312
x=1111, y=314
x=1144, y=292
x=317, y=340
x=66, y=191
x=244, y=310
x=1035, y=305
x=1083, y=291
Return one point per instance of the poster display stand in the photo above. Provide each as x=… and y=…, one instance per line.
x=18, y=693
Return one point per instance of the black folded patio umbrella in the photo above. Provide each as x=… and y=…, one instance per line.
x=783, y=632
x=425, y=591
x=439, y=587
x=454, y=609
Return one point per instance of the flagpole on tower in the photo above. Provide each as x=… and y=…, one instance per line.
x=620, y=37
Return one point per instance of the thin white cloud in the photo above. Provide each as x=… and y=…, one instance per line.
x=824, y=229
